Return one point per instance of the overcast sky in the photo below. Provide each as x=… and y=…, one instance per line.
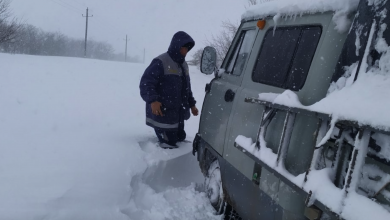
x=149, y=24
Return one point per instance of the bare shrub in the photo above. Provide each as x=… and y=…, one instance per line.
x=8, y=25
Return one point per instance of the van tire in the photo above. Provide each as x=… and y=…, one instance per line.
x=213, y=187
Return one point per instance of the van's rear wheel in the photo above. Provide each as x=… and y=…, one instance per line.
x=213, y=187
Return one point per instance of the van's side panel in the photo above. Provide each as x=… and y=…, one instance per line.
x=245, y=119
x=239, y=192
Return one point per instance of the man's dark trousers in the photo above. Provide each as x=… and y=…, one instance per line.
x=171, y=137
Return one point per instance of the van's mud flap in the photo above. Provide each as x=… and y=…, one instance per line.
x=246, y=197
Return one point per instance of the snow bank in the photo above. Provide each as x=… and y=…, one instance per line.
x=73, y=143
x=292, y=8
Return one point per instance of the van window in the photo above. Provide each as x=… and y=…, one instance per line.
x=285, y=56
x=241, y=53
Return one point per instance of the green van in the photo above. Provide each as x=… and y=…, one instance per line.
x=267, y=149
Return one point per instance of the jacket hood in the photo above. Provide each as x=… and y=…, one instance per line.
x=180, y=39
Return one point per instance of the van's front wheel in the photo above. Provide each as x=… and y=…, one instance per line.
x=213, y=187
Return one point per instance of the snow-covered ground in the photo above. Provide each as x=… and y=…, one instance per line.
x=74, y=145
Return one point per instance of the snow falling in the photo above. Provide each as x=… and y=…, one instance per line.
x=74, y=145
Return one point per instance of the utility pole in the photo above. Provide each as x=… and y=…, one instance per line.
x=126, y=49
x=86, y=33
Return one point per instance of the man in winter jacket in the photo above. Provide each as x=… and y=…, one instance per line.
x=165, y=87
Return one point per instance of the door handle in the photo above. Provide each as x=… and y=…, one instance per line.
x=229, y=95
x=207, y=88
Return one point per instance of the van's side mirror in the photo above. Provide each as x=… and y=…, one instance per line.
x=208, y=63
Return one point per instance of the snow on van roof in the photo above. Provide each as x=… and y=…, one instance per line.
x=278, y=8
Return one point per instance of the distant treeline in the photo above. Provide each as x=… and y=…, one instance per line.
x=29, y=39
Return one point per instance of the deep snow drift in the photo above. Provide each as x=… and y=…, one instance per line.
x=74, y=145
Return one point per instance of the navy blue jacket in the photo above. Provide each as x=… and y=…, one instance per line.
x=173, y=91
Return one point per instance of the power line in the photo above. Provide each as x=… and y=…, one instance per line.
x=75, y=1
x=65, y=6
x=104, y=21
x=73, y=8
x=110, y=25
x=70, y=5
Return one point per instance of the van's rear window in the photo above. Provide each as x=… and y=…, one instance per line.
x=285, y=56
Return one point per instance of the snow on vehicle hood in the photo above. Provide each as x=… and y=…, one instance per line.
x=279, y=8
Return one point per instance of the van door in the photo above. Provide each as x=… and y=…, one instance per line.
x=219, y=99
